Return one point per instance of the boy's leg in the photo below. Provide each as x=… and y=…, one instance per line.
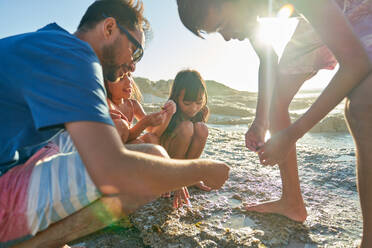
x=291, y=203
x=359, y=117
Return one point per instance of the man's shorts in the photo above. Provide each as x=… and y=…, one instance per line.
x=50, y=186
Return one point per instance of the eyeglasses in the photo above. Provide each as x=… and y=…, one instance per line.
x=138, y=52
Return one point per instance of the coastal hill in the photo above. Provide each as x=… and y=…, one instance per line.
x=233, y=107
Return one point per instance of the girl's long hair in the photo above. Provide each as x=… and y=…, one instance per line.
x=194, y=85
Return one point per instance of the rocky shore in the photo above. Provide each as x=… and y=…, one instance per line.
x=233, y=107
x=217, y=218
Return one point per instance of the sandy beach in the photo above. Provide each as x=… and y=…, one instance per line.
x=217, y=219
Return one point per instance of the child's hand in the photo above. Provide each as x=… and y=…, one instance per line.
x=255, y=136
x=170, y=107
x=181, y=197
x=115, y=114
x=154, y=119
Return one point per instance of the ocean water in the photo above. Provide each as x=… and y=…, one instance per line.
x=321, y=140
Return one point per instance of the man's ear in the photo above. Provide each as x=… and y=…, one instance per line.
x=108, y=27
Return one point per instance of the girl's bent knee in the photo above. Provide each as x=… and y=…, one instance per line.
x=201, y=130
x=186, y=129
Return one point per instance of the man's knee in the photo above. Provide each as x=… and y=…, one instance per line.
x=156, y=150
x=201, y=130
x=110, y=208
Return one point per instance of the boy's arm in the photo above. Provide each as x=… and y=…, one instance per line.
x=328, y=20
x=115, y=169
x=266, y=80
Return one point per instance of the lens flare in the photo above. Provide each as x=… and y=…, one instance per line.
x=286, y=11
x=276, y=31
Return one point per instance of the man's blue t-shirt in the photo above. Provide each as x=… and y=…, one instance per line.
x=47, y=78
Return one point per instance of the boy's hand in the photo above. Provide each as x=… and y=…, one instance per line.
x=276, y=149
x=255, y=136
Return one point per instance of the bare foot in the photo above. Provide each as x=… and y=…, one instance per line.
x=296, y=213
x=202, y=186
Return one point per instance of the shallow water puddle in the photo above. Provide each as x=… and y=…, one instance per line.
x=240, y=221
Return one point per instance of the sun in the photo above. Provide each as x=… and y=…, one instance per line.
x=277, y=31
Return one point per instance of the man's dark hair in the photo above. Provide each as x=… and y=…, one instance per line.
x=193, y=13
x=128, y=13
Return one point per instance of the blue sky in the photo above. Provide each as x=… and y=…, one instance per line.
x=172, y=48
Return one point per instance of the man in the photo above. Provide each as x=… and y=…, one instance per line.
x=309, y=51
x=51, y=80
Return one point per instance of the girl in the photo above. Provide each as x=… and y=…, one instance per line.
x=124, y=108
x=186, y=134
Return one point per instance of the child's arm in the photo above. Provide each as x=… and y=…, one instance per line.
x=328, y=21
x=169, y=109
x=255, y=135
x=121, y=125
x=144, y=121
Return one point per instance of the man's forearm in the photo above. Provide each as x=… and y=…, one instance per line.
x=116, y=170
x=134, y=171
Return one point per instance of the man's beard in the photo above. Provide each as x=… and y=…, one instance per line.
x=109, y=66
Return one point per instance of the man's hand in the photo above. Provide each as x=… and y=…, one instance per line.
x=216, y=173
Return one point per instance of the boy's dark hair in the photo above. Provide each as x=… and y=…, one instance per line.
x=193, y=13
x=128, y=13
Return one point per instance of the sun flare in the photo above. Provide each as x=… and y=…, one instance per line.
x=276, y=31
